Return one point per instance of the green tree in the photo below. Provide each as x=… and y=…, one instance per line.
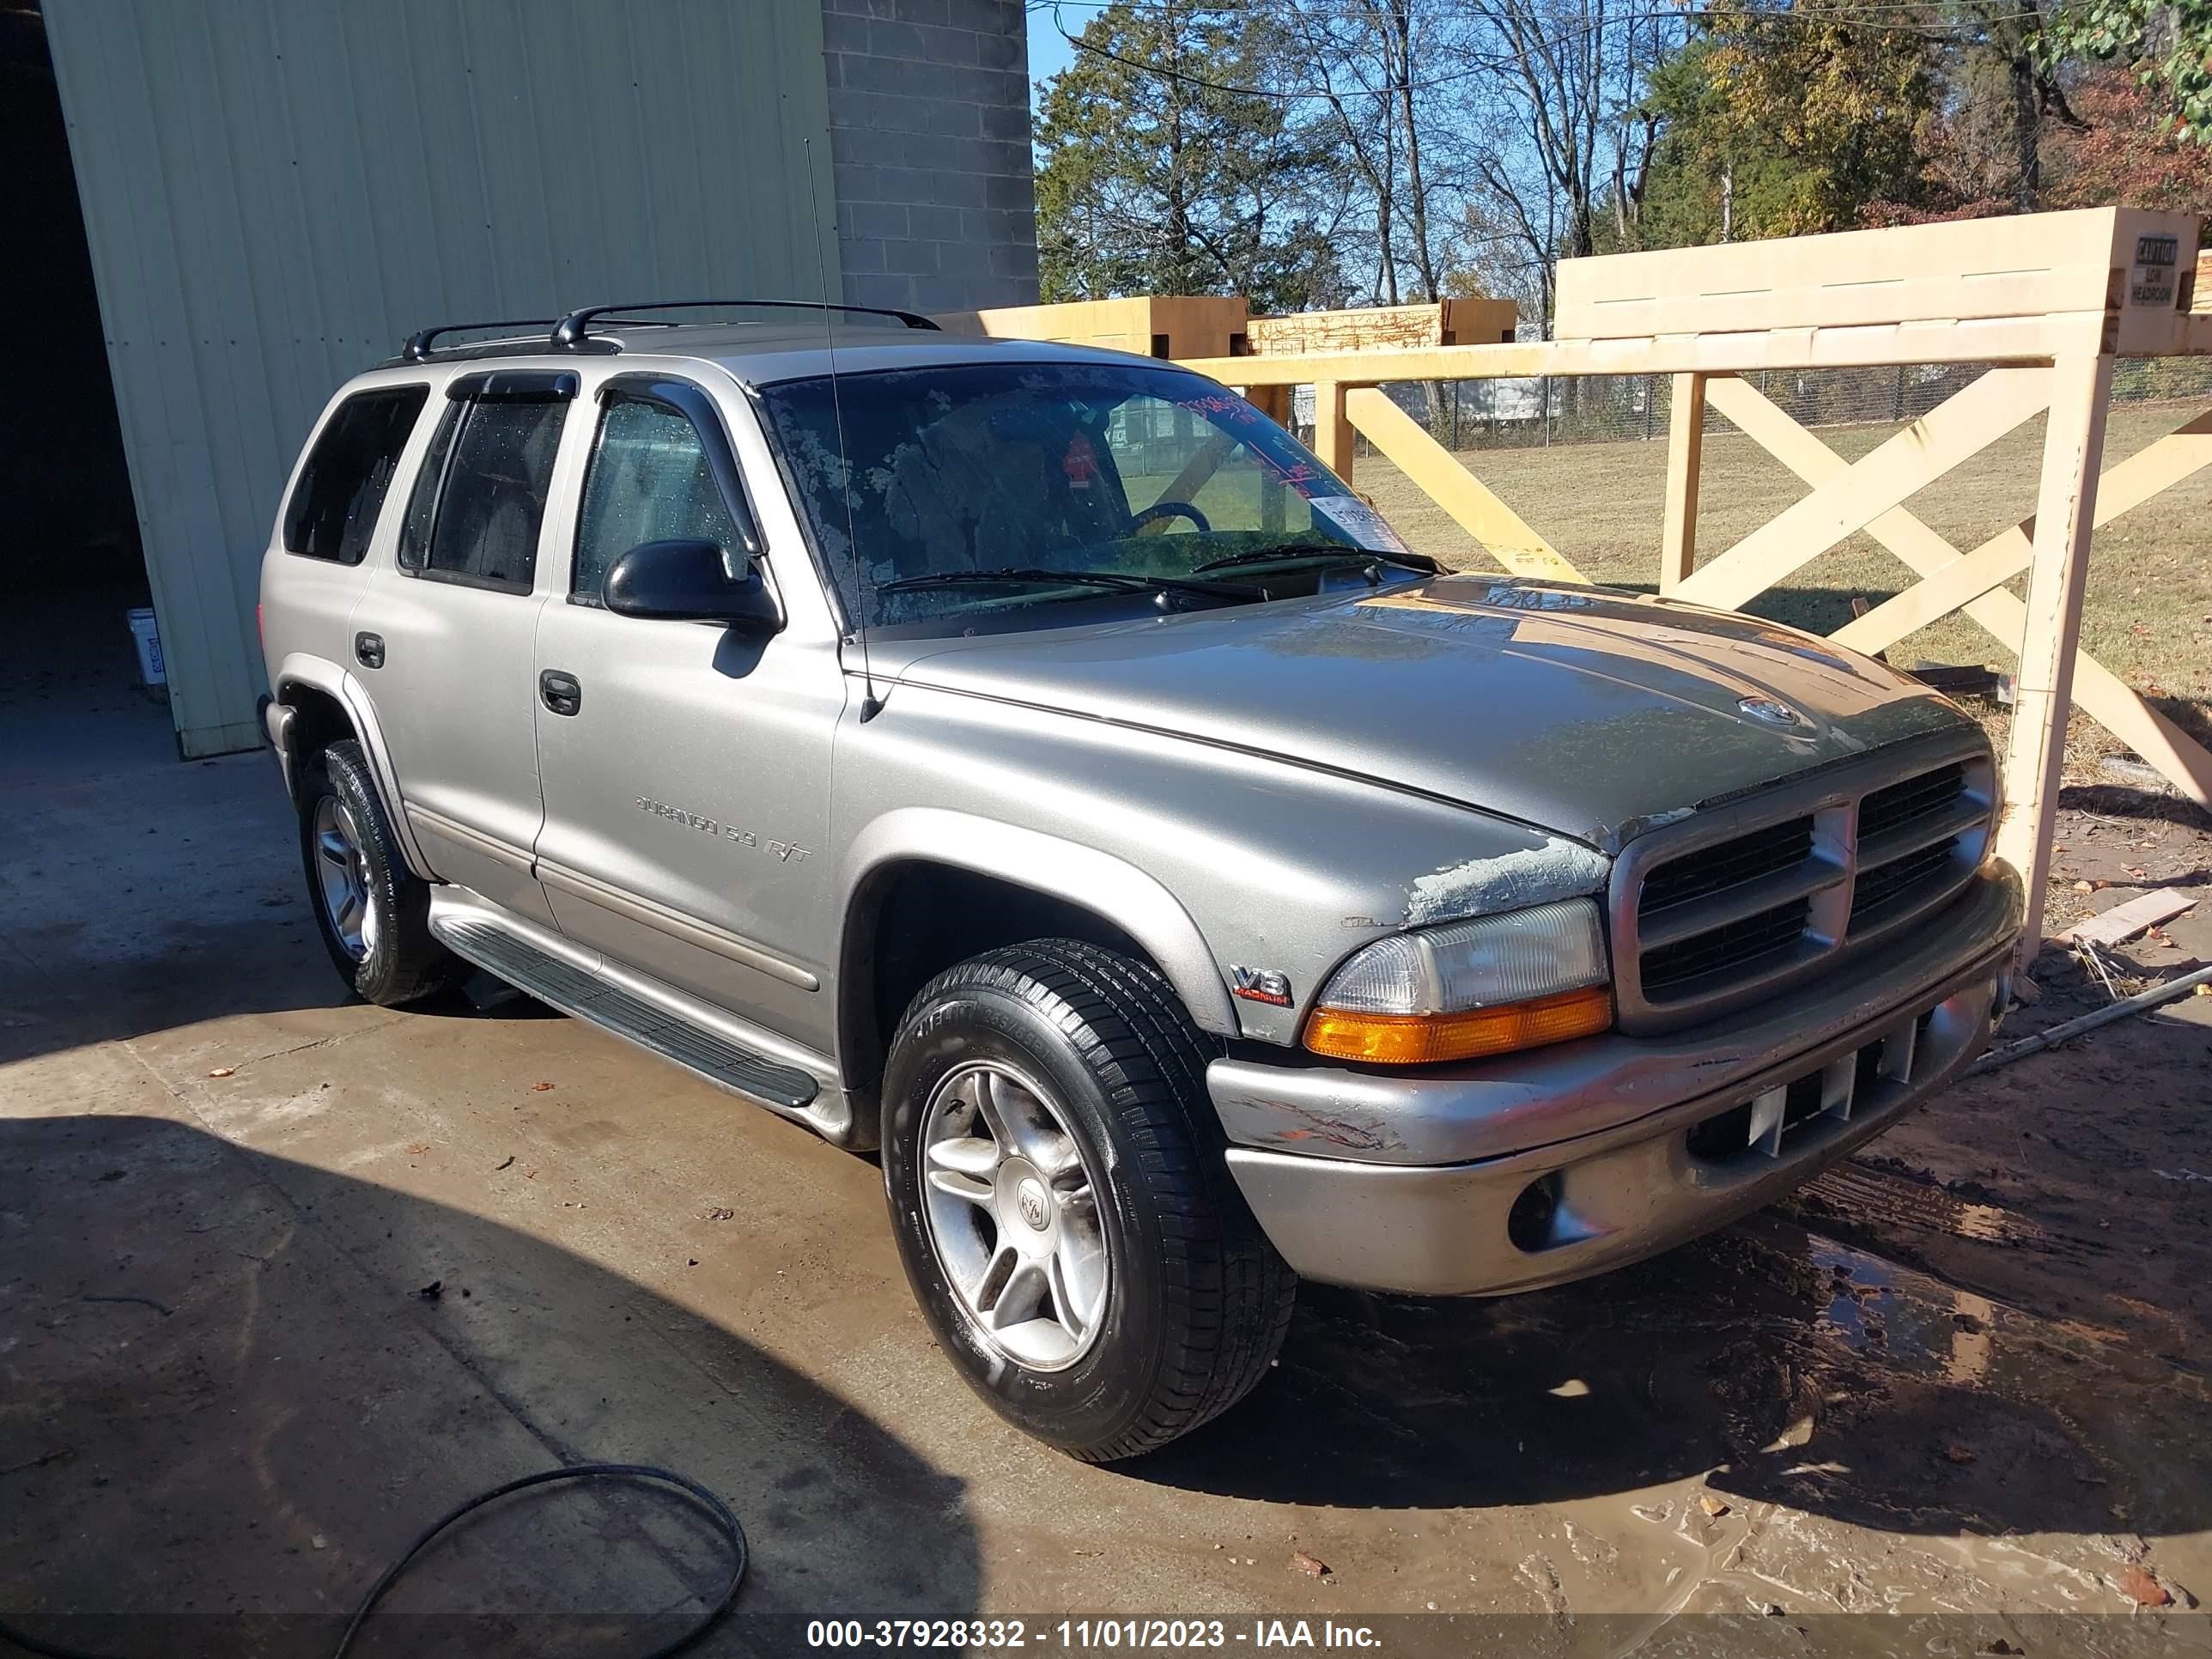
x=2169, y=42
x=1777, y=122
x=1162, y=171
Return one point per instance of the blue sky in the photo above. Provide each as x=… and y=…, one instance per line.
x=1048, y=53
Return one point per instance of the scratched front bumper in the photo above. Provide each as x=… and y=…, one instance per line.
x=1346, y=1182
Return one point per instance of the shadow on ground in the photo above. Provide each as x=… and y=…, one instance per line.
x=1797, y=1368
x=233, y=1387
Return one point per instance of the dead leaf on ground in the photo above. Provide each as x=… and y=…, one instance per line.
x=1957, y=1453
x=1312, y=1565
x=224, y=1071
x=418, y=1148
x=2147, y=1591
x=539, y=1088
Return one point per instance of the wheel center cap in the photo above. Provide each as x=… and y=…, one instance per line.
x=1030, y=1199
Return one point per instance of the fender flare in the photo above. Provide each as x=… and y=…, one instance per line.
x=301, y=668
x=1117, y=890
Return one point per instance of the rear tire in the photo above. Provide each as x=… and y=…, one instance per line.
x=1061, y=1200
x=373, y=911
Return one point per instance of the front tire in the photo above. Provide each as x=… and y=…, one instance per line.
x=373, y=911
x=1062, y=1204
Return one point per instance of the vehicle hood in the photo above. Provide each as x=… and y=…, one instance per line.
x=1589, y=712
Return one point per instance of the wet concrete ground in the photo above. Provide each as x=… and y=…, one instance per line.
x=1957, y=1389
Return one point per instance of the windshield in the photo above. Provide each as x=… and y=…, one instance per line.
x=1146, y=476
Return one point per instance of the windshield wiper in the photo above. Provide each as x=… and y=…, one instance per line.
x=1120, y=581
x=1283, y=552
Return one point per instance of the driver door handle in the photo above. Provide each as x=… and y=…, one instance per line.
x=560, y=692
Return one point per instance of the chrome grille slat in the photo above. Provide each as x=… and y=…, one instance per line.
x=1738, y=903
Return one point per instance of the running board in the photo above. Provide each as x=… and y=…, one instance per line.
x=710, y=1044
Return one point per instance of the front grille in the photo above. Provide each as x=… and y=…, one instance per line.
x=1891, y=809
x=1899, y=878
x=1728, y=918
x=1729, y=864
x=1735, y=946
x=1771, y=1122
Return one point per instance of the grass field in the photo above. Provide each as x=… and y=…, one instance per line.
x=2148, y=612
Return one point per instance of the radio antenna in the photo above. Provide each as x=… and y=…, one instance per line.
x=870, y=704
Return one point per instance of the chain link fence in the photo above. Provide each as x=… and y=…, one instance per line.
x=1550, y=410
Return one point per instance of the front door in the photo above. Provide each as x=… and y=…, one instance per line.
x=443, y=638
x=686, y=783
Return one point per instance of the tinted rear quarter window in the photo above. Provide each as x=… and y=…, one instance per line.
x=333, y=510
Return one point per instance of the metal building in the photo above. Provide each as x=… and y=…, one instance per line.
x=274, y=195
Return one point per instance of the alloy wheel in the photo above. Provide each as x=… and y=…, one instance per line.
x=1013, y=1215
x=341, y=878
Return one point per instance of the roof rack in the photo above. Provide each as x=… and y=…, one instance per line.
x=417, y=348
x=569, y=333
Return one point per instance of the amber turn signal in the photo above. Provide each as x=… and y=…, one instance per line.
x=1425, y=1039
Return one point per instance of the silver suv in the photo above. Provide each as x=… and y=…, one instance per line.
x=1032, y=762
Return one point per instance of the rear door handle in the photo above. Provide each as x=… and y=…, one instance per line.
x=368, y=650
x=560, y=691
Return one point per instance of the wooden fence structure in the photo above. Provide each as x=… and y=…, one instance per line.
x=2050, y=301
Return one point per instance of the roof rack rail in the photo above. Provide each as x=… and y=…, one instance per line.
x=417, y=348
x=570, y=331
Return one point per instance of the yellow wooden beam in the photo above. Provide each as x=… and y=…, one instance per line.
x=2157, y=467
x=2005, y=340
x=2065, y=509
x=1332, y=430
x=2116, y=706
x=1965, y=423
x=1437, y=473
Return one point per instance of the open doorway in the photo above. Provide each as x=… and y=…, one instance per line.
x=69, y=555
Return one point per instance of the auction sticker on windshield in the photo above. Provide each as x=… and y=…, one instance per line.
x=1355, y=518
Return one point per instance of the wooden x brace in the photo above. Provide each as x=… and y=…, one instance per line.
x=1971, y=581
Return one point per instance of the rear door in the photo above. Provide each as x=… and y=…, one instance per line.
x=443, y=637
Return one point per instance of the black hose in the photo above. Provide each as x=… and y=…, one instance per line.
x=723, y=1516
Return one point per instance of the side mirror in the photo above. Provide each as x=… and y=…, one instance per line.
x=689, y=582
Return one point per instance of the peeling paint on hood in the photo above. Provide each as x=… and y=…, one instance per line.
x=1481, y=887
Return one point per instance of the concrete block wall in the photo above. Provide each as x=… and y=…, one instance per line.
x=929, y=138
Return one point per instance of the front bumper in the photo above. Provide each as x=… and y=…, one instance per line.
x=1635, y=1145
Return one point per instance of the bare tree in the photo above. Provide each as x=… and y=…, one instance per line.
x=1570, y=137
x=1379, y=68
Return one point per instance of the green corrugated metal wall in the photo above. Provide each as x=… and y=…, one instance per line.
x=277, y=191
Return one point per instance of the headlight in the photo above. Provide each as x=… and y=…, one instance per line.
x=1485, y=986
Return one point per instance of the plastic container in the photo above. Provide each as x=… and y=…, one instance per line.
x=145, y=634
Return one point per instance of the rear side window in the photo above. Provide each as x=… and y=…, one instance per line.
x=332, y=512
x=481, y=497
x=649, y=481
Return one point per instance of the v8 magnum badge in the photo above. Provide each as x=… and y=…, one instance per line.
x=1261, y=985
